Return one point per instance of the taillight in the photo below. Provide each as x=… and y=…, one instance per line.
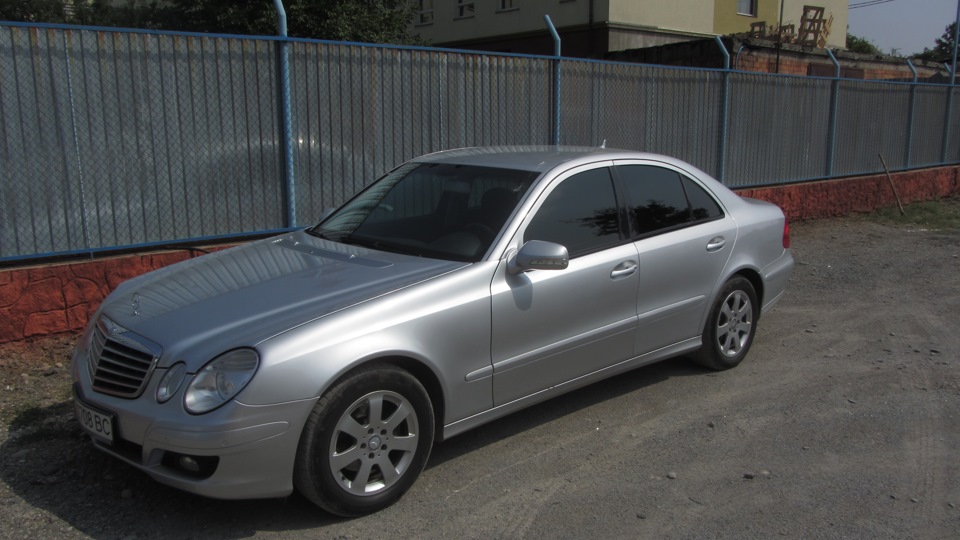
x=786, y=234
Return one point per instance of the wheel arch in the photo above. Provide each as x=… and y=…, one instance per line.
x=430, y=382
x=754, y=278
x=420, y=371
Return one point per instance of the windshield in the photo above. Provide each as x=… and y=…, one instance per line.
x=437, y=210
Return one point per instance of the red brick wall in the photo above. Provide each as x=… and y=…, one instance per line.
x=831, y=198
x=765, y=61
x=55, y=298
x=761, y=56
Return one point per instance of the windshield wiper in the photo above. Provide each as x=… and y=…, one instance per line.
x=312, y=231
x=379, y=245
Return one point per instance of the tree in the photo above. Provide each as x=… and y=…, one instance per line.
x=861, y=45
x=220, y=16
x=943, y=48
x=49, y=11
x=132, y=14
x=371, y=21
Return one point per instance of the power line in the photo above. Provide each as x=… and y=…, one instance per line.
x=868, y=3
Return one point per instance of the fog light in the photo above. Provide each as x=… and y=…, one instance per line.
x=193, y=466
x=189, y=464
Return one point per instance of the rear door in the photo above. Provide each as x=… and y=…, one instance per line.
x=683, y=239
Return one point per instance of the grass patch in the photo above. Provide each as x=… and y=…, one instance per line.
x=941, y=215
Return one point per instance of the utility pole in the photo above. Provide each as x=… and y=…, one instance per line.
x=780, y=34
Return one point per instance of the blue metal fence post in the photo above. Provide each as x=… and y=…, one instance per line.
x=953, y=81
x=556, y=80
x=913, y=96
x=949, y=113
x=834, y=105
x=724, y=110
x=946, y=125
x=286, y=135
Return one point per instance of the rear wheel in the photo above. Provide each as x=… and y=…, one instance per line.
x=730, y=327
x=366, y=441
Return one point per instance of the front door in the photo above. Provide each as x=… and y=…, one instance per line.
x=551, y=326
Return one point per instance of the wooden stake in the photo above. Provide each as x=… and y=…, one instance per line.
x=893, y=187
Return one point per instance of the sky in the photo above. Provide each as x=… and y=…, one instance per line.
x=905, y=25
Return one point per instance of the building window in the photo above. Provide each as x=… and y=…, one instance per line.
x=747, y=7
x=506, y=5
x=464, y=8
x=425, y=13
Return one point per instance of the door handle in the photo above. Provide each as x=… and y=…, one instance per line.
x=624, y=269
x=716, y=243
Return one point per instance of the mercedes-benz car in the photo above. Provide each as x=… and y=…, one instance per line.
x=460, y=287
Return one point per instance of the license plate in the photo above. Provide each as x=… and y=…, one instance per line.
x=95, y=422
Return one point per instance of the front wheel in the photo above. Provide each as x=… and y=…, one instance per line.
x=365, y=442
x=730, y=327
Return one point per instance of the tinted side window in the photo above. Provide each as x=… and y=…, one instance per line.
x=702, y=205
x=580, y=213
x=655, y=197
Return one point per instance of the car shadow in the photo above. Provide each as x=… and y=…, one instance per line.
x=51, y=465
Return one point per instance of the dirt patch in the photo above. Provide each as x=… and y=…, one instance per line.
x=34, y=375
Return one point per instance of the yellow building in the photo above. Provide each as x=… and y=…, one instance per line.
x=591, y=28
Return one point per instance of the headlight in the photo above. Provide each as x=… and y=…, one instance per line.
x=170, y=382
x=220, y=380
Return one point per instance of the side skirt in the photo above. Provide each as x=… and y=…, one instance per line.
x=455, y=428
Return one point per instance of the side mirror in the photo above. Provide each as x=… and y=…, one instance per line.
x=538, y=255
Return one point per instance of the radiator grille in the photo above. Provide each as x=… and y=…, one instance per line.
x=120, y=361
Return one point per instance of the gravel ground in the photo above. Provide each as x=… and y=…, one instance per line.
x=844, y=422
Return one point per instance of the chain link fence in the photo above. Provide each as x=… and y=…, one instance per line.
x=122, y=139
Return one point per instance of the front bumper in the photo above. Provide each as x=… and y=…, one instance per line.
x=246, y=451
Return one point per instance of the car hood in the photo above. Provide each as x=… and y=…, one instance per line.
x=241, y=296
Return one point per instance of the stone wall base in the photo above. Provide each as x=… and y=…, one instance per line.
x=832, y=198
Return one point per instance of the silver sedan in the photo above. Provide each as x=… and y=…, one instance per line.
x=460, y=287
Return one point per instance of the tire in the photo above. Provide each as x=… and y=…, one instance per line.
x=730, y=326
x=353, y=460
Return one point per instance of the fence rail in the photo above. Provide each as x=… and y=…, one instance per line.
x=121, y=138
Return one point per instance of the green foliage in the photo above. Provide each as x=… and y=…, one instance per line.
x=377, y=21
x=132, y=14
x=861, y=45
x=224, y=16
x=943, y=48
x=370, y=21
x=48, y=11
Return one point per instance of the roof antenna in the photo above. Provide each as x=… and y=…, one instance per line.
x=603, y=144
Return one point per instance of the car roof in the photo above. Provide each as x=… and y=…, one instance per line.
x=535, y=158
